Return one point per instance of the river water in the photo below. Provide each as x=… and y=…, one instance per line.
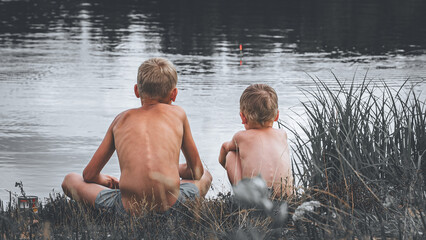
x=68, y=67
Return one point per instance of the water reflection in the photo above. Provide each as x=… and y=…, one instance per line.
x=198, y=27
x=68, y=67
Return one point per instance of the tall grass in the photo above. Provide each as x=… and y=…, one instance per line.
x=367, y=133
x=363, y=148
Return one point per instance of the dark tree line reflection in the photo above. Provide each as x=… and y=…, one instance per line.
x=205, y=27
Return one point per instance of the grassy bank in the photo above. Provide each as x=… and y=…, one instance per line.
x=359, y=162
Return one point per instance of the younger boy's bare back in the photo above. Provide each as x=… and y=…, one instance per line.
x=264, y=152
x=260, y=149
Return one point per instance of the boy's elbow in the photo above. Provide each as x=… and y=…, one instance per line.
x=225, y=147
x=88, y=177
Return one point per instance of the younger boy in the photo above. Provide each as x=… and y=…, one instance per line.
x=259, y=149
x=148, y=141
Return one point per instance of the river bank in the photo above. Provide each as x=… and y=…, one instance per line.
x=359, y=167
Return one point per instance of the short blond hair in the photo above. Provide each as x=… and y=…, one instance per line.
x=156, y=78
x=259, y=103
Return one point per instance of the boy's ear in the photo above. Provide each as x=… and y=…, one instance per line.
x=136, y=91
x=173, y=94
x=278, y=115
x=243, y=118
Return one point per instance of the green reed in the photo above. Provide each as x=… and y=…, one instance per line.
x=362, y=149
x=367, y=132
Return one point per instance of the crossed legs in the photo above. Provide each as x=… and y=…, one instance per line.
x=203, y=184
x=76, y=188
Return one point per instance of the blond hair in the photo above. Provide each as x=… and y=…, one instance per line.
x=259, y=103
x=156, y=78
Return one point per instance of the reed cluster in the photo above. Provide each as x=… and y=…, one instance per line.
x=362, y=154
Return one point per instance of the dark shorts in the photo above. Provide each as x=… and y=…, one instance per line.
x=110, y=199
x=188, y=191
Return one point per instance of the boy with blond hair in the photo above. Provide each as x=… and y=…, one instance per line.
x=260, y=149
x=148, y=141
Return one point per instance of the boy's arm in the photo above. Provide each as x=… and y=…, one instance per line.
x=226, y=147
x=92, y=172
x=193, y=168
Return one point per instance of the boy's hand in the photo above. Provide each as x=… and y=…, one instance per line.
x=226, y=147
x=109, y=181
x=185, y=172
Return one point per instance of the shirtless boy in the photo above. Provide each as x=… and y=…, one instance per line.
x=260, y=149
x=148, y=141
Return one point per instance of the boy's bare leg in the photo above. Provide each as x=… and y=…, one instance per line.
x=233, y=167
x=76, y=188
x=203, y=184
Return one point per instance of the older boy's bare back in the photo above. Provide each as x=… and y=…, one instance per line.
x=264, y=151
x=148, y=141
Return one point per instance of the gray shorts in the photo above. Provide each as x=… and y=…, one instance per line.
x=188, y=191
x=110, y=199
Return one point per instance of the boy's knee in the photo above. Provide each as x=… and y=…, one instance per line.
x=231, y=157
x=68, y=181
x=231, y=154
x=205, y=183
x=208, y=177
